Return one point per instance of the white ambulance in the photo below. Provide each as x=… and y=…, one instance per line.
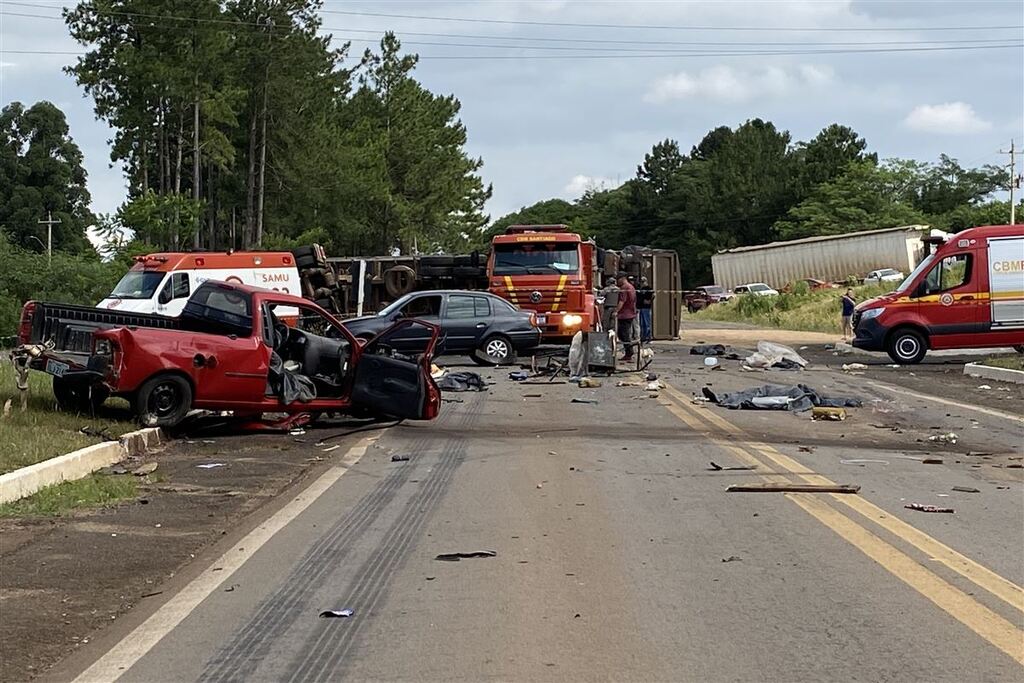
x=162, y=283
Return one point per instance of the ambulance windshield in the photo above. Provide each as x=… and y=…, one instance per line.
x=138, y=284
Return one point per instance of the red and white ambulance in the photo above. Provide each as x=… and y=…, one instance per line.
x=162, y=283
x=969, y=293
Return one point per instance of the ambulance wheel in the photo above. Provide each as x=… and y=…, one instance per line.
x=79, y=397
x=906, y=346
x=163, y=401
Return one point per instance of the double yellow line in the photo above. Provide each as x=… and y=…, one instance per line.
x=778, y=467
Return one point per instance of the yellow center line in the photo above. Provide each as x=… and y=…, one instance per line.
x=985, y=622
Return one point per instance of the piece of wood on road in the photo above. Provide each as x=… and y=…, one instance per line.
x=793, y=488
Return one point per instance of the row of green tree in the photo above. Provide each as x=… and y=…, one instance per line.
x=753, y=185
x=239, y=124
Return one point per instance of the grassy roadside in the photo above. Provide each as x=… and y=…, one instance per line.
x=1008, y=362
x=817, y=311
x=96, y=490
x=41, y=431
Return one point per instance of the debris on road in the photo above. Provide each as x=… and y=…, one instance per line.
x=399, y=458
x=786, y=487
x=932, y=461
x=715, y=467
x=830, y=414
x=795, y=398
x=711, y=362
x=927, y=508
x=211, y=465
x=732, y=558
x=807, y=449
x=588, y=383
x=462, y=381
x=707, y=350
x=331, y=448
x=336, y=613
x=143, y=470
x=984, y=386
x=966, y=489
x=455, y=557
x=852, y=367
x=519, y=375
x=436, y=371
x=948, y=437
x=772, y=355
x=655, y=385
x=862, y=461
x=584, y=400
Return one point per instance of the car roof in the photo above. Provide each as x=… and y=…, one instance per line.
x=249, y=289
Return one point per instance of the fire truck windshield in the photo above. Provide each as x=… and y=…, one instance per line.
x=536, y=258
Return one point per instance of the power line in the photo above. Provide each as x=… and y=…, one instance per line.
x=513, y=22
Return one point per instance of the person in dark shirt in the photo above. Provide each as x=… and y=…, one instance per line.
x=849, y=303
x=626, y=313
x=644, y=304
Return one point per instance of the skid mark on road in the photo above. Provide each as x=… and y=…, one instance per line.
x=243, y=653
x=779, y=467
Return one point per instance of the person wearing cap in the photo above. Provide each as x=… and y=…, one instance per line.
x=644, y=304
x=626, y=314
x=610, y=305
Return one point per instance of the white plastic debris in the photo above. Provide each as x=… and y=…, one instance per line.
x=770, y=353
x=849, y=367
x=984, y=386
x=211, y=465
x=948, y=437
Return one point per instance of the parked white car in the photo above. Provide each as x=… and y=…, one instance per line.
x=758, y=288
x=884, y=275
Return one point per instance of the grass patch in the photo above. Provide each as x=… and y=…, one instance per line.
x=1008, y=362
x=96, y=490
x=42, y=431
x=801, y=309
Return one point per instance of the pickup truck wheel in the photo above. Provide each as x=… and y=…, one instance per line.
x=906, y=346
x=163, y=401
x=78, y=397
x=495, y=350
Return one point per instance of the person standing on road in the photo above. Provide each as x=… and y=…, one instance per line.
x=849, y=303
x=644, y=303
x=626, y=314
x=610, y=306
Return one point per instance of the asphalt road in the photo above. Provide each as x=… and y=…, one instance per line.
x=618, y=553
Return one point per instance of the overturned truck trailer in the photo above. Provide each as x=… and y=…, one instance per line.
x=368, y=284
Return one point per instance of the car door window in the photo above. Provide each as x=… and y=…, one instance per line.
x=179, y=286
x=460, y=307
x=314, y=322
x=422, y=307
x=481, y=307
x=949, y=273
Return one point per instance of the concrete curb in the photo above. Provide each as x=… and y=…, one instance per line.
x=77, y=464
x=997, y=374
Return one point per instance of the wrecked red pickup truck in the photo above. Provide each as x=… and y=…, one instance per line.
x=228, y=351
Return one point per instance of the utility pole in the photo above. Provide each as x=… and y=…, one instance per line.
x=49, y=223
x=1015, y=179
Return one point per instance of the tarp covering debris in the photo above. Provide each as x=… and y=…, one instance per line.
x=795, y=398
x=462, y=381
x=772, y=355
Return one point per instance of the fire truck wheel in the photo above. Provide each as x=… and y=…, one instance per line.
x=77, y=397
x=906, y=346
x=495, y=350
x=163, y=401
x=399, y=280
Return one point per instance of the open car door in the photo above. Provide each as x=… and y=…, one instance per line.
x=388, y=382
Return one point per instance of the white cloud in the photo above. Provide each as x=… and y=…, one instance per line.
x=728, y=84
x=950, y=118
x=581, y=183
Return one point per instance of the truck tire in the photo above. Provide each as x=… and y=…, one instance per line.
x=906, y=346
x=323, y=293
x=435, y=271
x=399, y=280
x=163, y=401
x=306, y=261
x=437, y=261
x=467, y=271
x=495, y=350
x=304, y=251
x=78, y=397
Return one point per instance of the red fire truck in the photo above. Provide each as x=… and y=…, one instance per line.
x=549, y=270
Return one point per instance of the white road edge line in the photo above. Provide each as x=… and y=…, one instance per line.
x=946, y=401
x=139, y=642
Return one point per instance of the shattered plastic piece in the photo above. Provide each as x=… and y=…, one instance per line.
x=211, y=465
x=436, y=371
x=299, y=431
x=331, y=448
x=948, y=437
x=710, y=362
x=932, y=461
x=966, y=489
x=399, y=458
x=462, y=381
x=584, y=400
x=333, y=613
x=732, y=558
x=927, y=508
x=455, y=557
x=859, y=461
x=655, y=385
x=984, y=386
x=847, y=367
x=143, y=470
x=519, y=375
x=716, y=467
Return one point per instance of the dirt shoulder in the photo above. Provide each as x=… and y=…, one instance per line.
x=65, y=579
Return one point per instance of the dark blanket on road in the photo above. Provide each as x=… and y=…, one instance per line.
x=462, y=381
x=796, y=398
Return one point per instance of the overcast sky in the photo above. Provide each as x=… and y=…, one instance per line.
x=562, y=121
